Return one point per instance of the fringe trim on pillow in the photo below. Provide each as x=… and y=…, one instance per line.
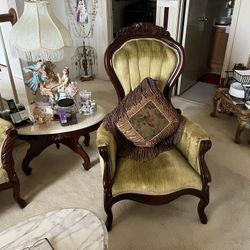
x=141, y=154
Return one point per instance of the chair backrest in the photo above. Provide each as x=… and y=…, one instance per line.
x=143, y=50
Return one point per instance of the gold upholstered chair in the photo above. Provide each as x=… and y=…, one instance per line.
x=140, y=51
x=8, y=176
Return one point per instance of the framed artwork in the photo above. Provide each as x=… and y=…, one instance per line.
x=81, y=12
x=81, y=16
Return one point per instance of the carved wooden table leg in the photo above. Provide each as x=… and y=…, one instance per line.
x=86, y=140
x=215, y=102
x=242, y=125
x=36, y=147
x=73, y=143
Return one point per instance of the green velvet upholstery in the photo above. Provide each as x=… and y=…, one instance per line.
x=8, y=177
x=170, y=171
x=138, y=59
x=4, y=126
x=189, y=145
x=3, y=176
x=141, y=51
x=104, y=138
x=167, y=173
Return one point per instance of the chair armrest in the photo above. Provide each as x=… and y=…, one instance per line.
x=107, y=148
x=193, y=145
x=8, y=136
x=5, y=130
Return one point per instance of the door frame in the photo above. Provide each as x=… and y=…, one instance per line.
x=162, y=17
x=231, y=38
x=109, y=21
x=177, y=30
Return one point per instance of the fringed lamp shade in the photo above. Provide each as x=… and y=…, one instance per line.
x=39, y=35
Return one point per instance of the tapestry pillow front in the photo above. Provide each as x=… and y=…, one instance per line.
x=145, y=122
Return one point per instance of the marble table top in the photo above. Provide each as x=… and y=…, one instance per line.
x=55, y=127
x=66, y=229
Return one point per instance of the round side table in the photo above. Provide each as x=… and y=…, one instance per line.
x=65, y=229
x=42, y=136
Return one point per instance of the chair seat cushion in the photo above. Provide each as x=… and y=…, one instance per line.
x=3, y=175
x=167, y=173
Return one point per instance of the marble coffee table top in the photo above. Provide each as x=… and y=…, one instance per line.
x=55, y=127
x=66, y=229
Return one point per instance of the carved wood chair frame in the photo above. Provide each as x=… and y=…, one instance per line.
x=136, y=31
x=8, y=165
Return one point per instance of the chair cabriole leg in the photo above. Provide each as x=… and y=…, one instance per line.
x=109, y=220
x=16, y=194
x=202, y=205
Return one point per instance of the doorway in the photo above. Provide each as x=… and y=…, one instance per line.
x=206, y=27
x=127, y=12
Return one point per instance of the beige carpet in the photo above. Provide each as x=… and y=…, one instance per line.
x=58, y=181
x=201, y=92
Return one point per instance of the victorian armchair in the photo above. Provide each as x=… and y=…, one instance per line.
x=140, y=51
x=8, y=176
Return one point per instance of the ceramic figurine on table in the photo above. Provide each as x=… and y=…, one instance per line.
x=46, y=91
x=72, y=89
x=51, y=75
x=64, y=80
x=38, y=75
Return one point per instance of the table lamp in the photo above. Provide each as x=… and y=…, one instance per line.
x=38, y=36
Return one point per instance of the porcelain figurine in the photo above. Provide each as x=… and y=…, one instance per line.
x=64, y=80
x=72, y=89
x=37, y=75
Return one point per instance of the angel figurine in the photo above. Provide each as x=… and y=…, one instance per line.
x=37, y=75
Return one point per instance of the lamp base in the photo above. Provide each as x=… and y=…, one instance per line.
x=87, y=78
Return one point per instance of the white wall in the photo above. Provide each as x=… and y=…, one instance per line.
x=59, y=10
x=99, y=40
x=12, y=61
x=2, y=54
x=241, y=43
x=6, y=27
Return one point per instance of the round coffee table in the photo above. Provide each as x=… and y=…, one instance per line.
x=65, y=229
x=40, y=136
